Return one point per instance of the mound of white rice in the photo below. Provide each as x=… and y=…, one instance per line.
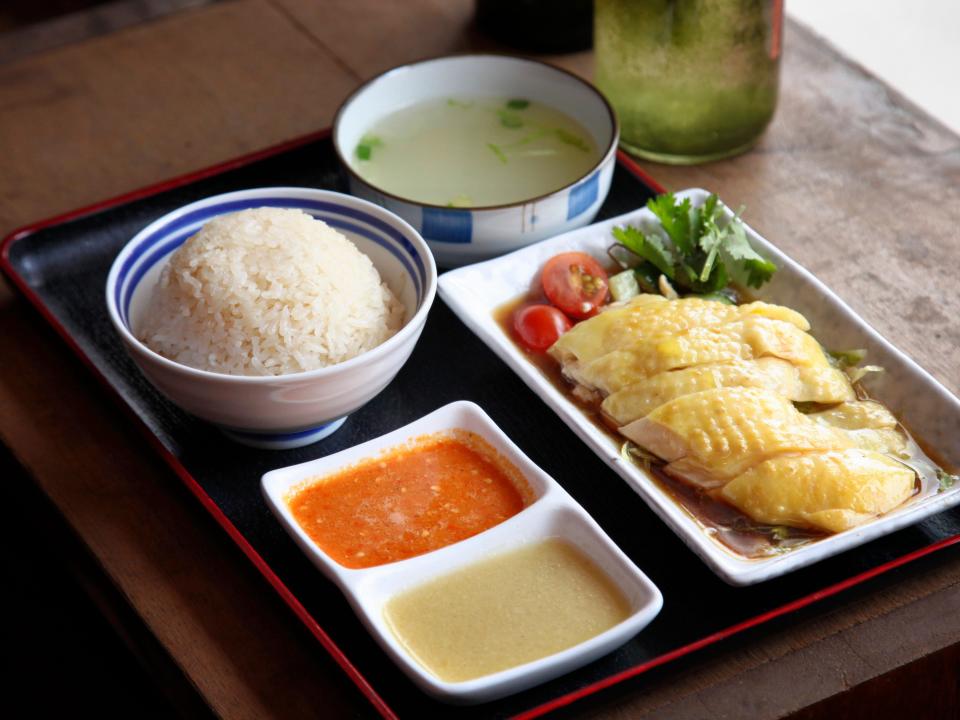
x=268, y=291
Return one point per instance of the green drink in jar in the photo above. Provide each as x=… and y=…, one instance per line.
x=690, y=80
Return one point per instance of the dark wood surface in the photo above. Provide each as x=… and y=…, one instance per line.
x=850, y=179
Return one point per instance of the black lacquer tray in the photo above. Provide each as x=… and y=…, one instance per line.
x=61, y=266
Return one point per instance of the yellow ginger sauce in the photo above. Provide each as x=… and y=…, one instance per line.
x=505, y=611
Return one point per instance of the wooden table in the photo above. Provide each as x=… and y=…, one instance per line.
x=851, y=180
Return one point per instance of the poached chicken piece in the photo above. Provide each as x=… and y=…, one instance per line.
x=832, y=491
x=709, y=437
x=647, y=317
x=743, y=339
x=709, y=388
x=799, y=384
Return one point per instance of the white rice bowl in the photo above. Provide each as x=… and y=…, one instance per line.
x=268, y=291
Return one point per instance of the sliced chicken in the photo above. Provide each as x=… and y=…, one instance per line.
x=752, y=338
x=831, y=491
x=870, y=425
x=642, y=317
x=774, y=312
x=821, y=385
x=709, y=388
x=649, y=316
x=856, y=415
x=710, y=437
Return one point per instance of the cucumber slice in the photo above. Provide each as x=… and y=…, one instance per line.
x=624, y=286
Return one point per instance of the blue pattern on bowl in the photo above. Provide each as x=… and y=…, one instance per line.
x=156, y=246
x=583, y=196
x=450, y=226
x=283, y=441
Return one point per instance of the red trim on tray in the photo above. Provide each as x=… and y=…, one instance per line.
x=630, y=164
x=261, y=565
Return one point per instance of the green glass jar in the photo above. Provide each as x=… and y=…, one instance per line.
x=690, y=80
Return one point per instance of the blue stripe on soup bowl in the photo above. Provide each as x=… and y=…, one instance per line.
x=286, y=410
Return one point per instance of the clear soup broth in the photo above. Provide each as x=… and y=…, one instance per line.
x=474, y=152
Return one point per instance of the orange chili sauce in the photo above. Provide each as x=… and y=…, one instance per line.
x=422, y=496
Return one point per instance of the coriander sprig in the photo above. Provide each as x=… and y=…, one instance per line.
x=698, y=249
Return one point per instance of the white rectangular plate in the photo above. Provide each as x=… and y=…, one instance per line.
x=925, y=407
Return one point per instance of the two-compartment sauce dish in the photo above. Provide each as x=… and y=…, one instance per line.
x=473, y=569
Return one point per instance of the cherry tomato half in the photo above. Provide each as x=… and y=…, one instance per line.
x=539, y=326
x=575, y=283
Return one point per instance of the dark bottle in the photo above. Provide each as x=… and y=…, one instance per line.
x=538, y=26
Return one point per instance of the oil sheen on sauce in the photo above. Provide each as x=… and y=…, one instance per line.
x=432, y=492
x=505, y=611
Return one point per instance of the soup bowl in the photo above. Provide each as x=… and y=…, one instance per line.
x=277, y=411
x=468, y=234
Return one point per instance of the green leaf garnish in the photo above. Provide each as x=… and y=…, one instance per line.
x=528, y=138
x=710, y=242
x=637, y=455
x=650, y=247
x=460, y=201
x=737, y=248
x=496, y=150
x=726, y=298
x=676, y=220
x=946, y=480
x=647, y=276
x=569, y=138
x=848, y=358
x=510, y=119
x=698, y=249
x=366, y=145
x=518, y=104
